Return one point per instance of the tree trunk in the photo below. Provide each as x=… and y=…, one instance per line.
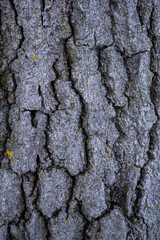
x=80, y=129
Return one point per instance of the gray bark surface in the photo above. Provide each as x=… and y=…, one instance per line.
x=79, y=120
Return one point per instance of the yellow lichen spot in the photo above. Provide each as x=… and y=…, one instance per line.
x=83, y=23
x=79, y=132
x=93, y=156
x=10, y=154
x=107, y=154
x=82, y=189
x=41, y=78
x=27, y=186
x=44, y=34
x=33, y=58
x=66, y=221
x=2, y=169
x=145, y=13
x=35, y=197
x=148, y=73
x=68, y=27
x=85, y=84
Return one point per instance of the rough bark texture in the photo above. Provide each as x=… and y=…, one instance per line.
x=79, y=120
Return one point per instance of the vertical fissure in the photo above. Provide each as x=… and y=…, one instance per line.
x=20, y=27
x=53, y=83
x=42, y=2
x=41, y=95
x=83, y=107
x=33, y=122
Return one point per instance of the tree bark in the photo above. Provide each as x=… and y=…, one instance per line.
x=79, y=120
